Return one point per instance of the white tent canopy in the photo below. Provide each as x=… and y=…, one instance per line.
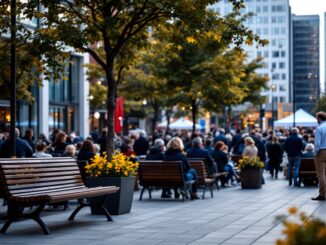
x=302, y=119
x=181, y=124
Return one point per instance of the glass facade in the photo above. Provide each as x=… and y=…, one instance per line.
x=64, y=98
x=306, y=61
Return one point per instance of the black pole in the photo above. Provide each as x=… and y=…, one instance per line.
x=293, y=109
x=13, y=79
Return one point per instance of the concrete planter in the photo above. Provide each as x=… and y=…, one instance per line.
x=251, y=178
x=117, y=203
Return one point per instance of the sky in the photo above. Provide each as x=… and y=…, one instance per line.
x=309, y=7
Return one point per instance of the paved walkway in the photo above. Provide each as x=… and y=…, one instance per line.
x=233, y=216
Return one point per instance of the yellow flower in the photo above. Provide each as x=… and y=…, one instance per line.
x=293, y=210
x=191, y=40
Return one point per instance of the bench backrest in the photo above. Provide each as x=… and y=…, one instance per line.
x=307, y=165
x=161, y=174
x=32, y=175
x=201, y=170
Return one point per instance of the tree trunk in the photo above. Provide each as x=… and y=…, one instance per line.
x=111, y=104
x=168, y=119
x=194, y=114
x=155, y=117
x=228, y=125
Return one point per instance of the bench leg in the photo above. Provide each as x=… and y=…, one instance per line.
x=106, y=212
x=42, y=224
x=150, y=193
x=15, y=213
x=6, y=226
x=141, y=193
x=204, y=191
x=82, y=204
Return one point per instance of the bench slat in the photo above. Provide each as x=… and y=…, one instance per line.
x=39, y=170
x=41, y=175
x=38, y=165
x=59, y=192
x=44, y=184
x=34, y=191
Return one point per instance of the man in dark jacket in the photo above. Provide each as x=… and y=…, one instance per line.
x=197, y=151
x=294, y=146
x=29, y=137
x=141, y=145
x=23, y=149
x=157, y=151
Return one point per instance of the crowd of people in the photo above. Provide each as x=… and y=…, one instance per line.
x=216, y=147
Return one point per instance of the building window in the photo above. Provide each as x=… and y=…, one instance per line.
x=275, y=54
x=281, y=65
x=275, y=30
x=266, y=54
x=283, y=53
x=274, y=42
x=273, y=65
x=283, y=76
x=282, y=88
x=276, y=76
x=258, y=31
x=265, y=9
x=278, y=8
x=282, y=99
x=275, y=99
x=265, y=31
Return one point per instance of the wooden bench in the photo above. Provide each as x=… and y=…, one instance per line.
x=164, y=175
x=307, y=172
x=203, y=176
x=218, y=175
x=36, y=182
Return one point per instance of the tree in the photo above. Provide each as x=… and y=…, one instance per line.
x=113, y=25
x=200, y=66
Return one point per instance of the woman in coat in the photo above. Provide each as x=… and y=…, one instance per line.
x=275, y=155
x=220, y=157
x=175, y=152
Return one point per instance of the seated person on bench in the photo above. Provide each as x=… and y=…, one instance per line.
x=175, y=152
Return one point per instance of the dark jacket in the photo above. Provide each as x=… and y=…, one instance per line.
x=275, y=153
x=293, y=146
x=221, y=137
x=155, y=154
x=220, y=158
x=30, y=142
x=59, y=147
x=85, y=155
x=141, y=146
x=23, y=149
x=176, y=155
x=236, y=139
x=261, y=148
x=197, y=152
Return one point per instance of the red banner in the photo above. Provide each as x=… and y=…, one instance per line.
x=118, y=115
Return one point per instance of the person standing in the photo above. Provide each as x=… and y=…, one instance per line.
x=275, y=155
x=320, y=155
x=293, y=146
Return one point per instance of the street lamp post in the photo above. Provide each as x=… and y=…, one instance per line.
x=13, y=78
x=293, y=109
x=273, y=87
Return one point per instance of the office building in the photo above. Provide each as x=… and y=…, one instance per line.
x=306, y=80
x=61, y=104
